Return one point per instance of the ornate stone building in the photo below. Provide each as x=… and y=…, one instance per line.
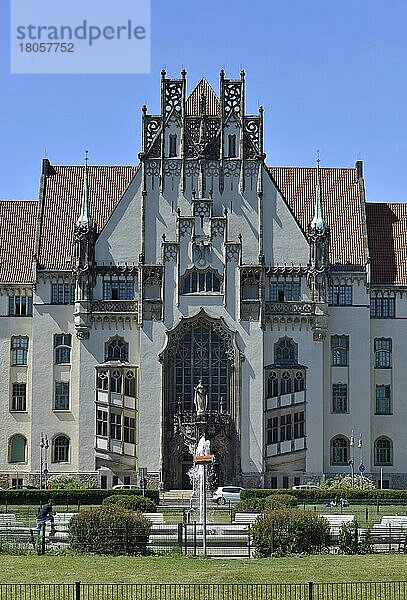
x=279, y=288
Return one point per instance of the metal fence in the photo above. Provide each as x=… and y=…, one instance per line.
x=386, y=590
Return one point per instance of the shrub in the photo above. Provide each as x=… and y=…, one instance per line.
x=289, y=532
x=135, y=503
x=276, y=501
x=82, y=496
x=109, y=530
x=249, y=505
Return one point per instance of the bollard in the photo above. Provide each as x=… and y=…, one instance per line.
x=310, y=590
x=77, y=590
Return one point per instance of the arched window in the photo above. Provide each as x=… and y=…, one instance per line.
x=285, y=351
x=340, y=350
x=17, y=449
x=383, y=450
x=382, y=349
x=299, y=383
x=340, y=451
x=232, y=145
x=117, y=349
x=60, y=450
x=200, y=282
x=116, y=381
x=272, y=385
x=286, y=383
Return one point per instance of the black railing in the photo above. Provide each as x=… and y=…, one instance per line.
x=384, y=590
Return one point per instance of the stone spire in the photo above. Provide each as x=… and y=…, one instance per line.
x=318, y=220
x=85, y=220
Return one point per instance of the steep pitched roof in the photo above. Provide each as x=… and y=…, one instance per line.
x=387, y=234
x=342, y=207
x=62, y=204
x=212, y=102
x=17, y=240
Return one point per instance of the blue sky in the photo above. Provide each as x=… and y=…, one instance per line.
x=330, y=74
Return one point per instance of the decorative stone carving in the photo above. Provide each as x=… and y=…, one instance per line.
x=218, y=226
x=232, y=168
x=191, y=168
x=170, y=251
x=172, y=95
x=212, y=169
x=186, y=225
x=232, y=93
x=172, y=168
x=289, y=308
x=82, y=334
x=152, y=125
x=152, y=168
x=201, y=254
x=233, y=252
x=114, y=306
x=202, y=208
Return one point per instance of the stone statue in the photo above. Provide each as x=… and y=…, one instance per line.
x=200, y=399
x=203, y=448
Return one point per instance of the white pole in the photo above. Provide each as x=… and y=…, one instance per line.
x=381, y=478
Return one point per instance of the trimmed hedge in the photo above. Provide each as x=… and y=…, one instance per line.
x=110, y=530
x=324, y=494
x=135, y=503
x=69, y=496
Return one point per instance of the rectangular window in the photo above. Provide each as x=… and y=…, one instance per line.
x=115, y=426
x=382, y=308
x=339, y=350
x=173, y=145
x=285, y=428
x=383, y=350
x=231, y=146
x=62, y=345
x=272, y=430
x=383, y=400
x=285, y=291
x=20, y=306
x=340, y=398
x=101, y=423
x=61, y=395
x=19, y=399
x=62, y=293
x=19, y=350
x=118, y=290
x=129, y=430
x=299, y=424
x=340, y=295
x=285, y=482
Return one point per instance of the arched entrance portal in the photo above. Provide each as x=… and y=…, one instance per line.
x=200, y=348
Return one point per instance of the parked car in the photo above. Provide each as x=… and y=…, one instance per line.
x=306, y=486
x=125, y=486
x=227, y=493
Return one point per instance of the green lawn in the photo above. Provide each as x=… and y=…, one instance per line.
x=190, y=570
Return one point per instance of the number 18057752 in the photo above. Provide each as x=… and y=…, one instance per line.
x=47, y=47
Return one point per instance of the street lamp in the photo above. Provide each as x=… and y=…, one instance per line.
x=351, y=461
x=43, y=458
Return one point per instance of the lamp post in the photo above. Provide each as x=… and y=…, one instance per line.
x=43, y=458
x=351, y=461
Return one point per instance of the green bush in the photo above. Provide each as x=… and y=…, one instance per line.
x=109, y=530
x=249, y=505
x=277, y=501
x=290, y=531
x=321, y=495
x=135, y=503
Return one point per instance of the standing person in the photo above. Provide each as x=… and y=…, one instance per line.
x=45, y=513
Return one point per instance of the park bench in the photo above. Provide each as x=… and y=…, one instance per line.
x=155, y=518
x=246, y=518
x=386, y=538
x=7, y=519
x=398, y=520
x=336, y=522
x=61, y=519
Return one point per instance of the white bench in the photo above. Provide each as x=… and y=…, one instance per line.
x=336, y=522
x=246, y=518
x=155, y=518
x=396, y=520
x=61, y=519
x=8, y=519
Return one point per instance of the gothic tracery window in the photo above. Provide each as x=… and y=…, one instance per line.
x=117, y=349
x=201, y=355
x=285, y=351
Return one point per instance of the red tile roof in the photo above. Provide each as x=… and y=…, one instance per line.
x=387, y=234
x=17, y=239
x=342, y=207
x=212, y=102
x=63, y=197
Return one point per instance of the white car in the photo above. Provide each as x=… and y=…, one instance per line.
x=125, y=486
x=306, y=486
x=227, y=493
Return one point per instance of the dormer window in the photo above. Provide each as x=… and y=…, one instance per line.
x=173, y=145
x=231, y=146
